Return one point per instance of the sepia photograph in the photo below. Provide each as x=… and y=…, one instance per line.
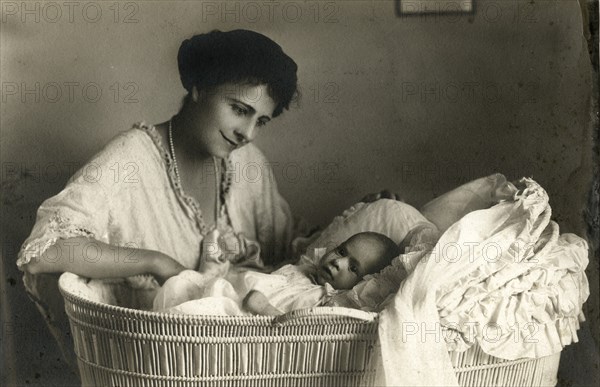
x=299, y=193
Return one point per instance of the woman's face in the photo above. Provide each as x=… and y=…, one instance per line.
x=228, y=117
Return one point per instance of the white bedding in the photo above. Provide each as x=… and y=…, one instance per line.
x=502, y=276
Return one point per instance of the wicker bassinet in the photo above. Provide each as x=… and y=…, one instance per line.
x=118, y=346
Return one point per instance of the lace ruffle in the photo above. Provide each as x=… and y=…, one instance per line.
x=59, y=227
x=528, y=313
x=225, y=181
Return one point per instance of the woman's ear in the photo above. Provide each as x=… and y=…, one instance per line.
x=195, y=94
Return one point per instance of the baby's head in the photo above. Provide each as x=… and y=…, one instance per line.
x=361, y=254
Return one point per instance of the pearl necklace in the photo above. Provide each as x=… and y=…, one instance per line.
x=173, y=152
x=217, y=188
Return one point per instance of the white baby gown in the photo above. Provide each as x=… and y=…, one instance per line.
x=288, y=288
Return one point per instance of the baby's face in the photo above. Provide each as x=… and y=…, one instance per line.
x=346, y=265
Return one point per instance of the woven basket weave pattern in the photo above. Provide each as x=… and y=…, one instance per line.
x=125, y=347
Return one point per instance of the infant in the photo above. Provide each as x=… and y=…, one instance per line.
x=341, y=268
x=302, y=285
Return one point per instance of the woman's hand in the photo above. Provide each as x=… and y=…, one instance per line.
x=213, y=260
x=384, y=194
x=165, y=267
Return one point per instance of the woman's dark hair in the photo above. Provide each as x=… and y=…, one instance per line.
x=240, y=56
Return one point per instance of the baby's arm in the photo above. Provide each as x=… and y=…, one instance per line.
x=257, y=303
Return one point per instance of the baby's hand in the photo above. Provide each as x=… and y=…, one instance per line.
x=257, y=303
x=212, y=260
x=236, y=248
x=384, y=194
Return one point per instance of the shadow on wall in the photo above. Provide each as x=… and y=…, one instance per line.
x=30, y=355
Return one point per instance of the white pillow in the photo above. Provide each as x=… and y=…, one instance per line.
x=388, y=217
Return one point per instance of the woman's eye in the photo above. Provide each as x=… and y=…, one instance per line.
x=341, y=252
x=239, y=110
x=354, y=269
x=261, y=123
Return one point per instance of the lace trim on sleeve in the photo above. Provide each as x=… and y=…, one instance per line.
x=58, y=227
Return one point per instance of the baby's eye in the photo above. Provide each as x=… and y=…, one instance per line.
x=341, y=251
x=354, y=269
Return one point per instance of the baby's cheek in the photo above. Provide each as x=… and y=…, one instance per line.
x=342, y=283
x=354, y=281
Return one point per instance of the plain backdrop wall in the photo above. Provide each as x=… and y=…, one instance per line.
x=417, y=104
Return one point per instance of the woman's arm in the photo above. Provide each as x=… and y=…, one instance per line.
x=94, y=259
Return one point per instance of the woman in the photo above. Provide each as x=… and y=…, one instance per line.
x=182, y=179
x=179, y=180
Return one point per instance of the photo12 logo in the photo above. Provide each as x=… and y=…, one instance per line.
x=67, y=91
x=525, y=91
x=323, y=172
x=489, y=331
x=270, y=11
x=69, y=11
x=127, y=172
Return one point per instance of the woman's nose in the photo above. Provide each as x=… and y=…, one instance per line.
x=244, y=135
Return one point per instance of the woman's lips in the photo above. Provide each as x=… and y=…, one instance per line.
x=233, y=144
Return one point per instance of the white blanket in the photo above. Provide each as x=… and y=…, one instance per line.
x=513, y=246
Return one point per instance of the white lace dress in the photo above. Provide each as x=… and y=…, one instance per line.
x=128, y=195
